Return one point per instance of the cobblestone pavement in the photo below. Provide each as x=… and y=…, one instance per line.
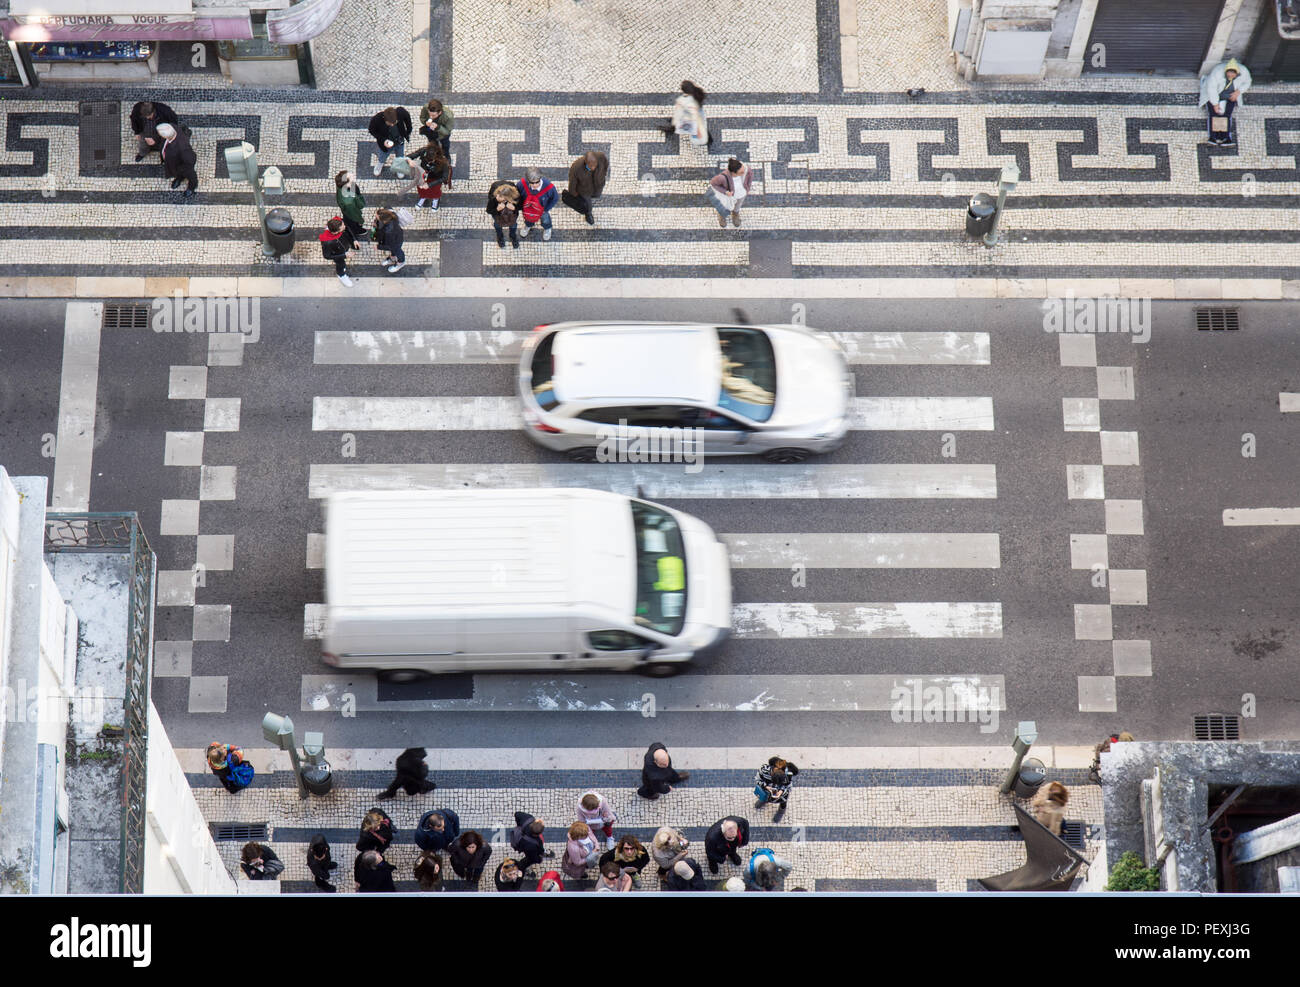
x=864, y=829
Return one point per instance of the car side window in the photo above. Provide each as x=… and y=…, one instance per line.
x=617, y=641
x=604, y=416
x=707, y=418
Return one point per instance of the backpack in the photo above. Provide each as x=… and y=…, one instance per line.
x=241, y=772
x=531, y=209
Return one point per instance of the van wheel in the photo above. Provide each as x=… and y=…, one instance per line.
x=585, y=454
x=402, y=676
x=786, y=455
x=661, y=669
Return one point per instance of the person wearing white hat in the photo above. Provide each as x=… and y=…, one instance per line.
x=1221, y=91
x=178, y=159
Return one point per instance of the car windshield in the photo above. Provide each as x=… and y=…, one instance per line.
x=660, y=569
x=748, y=373
x=543, y=373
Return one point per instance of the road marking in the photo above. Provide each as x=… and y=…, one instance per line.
x=854, y=550
x=488, y=413
x=689, y=693
x=1288, y=402
x=867, y=620
x=667, y=481
x=78, y=386
x=1246, y=516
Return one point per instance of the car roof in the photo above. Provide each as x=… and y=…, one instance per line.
x=638, y=363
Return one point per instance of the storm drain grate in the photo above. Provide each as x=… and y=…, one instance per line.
x=1217, y=318
x=118, y=315
x=1215, y=726
x=232, y=832
x=1072, y=832
x=100, y=141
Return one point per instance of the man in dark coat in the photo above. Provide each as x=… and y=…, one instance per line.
x=319, y=862
x=178, y=158
x=723, y=839
x=412, y=774
x=373, y=873
x=527, y=840
x=587, y=177
x=437, y=829
x=685, y=876
x=390, y=128
x=657, y=774
x=145, y=117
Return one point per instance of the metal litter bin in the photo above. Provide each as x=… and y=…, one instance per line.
x=1030, y=777
x=979, y=216
x=279, y=231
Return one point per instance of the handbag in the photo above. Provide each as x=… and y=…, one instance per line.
x=1219, y=124
x=405, y=217
x=761, y=794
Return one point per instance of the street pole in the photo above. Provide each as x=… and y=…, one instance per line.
x=1006, y=183
x=266, y=241
x=279, y=731
x=1026, y=734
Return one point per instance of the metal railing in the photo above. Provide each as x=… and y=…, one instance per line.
x=121, y=533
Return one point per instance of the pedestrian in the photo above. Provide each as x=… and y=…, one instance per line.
x=628, y=852
x=550, y=881
x=503, y=207
x=390, y=128
x=435, y=176
x=1048, y=804
x=259, y=862
x=145, y=117
x=668, y=847
x=723, y=839
x=469, y=854
x=335, y=244
x=389, y=239
x=596, y=813
x=1221, y=91
x=685, y=876
x=728, y=189
x=436, y=123
x=657, y=774
x=319, y=862
x=376, y=832
x=428, y=871
x=580, y=851
x=766, y=871
x=437, y=829
x=228, y=764
x=773, y=783
x=526, y=838
x=612, y=877
x=509, y=876
x=539, y=197
x=587, y=176
x=178, y=158
x=688, y=116
x=733, y=884
x=372, y=873
x=348, y=197
x=412, y=773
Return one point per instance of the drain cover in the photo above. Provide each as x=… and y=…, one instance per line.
x=101, y=137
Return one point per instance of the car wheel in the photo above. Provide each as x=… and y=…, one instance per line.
x=403, y=676
x=786, y=455
x=660, y=669
x=585, y=454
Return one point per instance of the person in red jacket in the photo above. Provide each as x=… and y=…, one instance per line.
x=550, y=882
x=335, y=243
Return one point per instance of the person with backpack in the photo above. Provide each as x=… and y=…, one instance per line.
x=389, y=239
x=145, y=117
x=728, y=189
x=688, y=116
x=503, y=207
x=348, y=197
x=391, y=128
x=377, y=832
x=228, y=764
x=319, y=862
x=527, y=839
x=765, y=870
x=772, y=785
x=539, y=196
x=435, y=175
x=259, y=862
x=437, y=829
x=587, y=177
x=436, y=123
x=335, y=244
x=178, y=158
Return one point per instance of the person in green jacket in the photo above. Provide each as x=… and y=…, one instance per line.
x=350, y=202
x=436, y=122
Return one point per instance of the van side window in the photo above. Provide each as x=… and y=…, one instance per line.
x=617, y=641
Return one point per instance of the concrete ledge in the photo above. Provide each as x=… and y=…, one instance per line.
x=52, y=287
x=214, y=287
x=1262, y=288
x=13, y=287
x=110, y=287
x=260, y=287
x=165, y=287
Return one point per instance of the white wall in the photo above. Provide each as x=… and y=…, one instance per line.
x=180, y=857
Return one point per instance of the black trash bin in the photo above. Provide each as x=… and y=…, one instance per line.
x=317, y=778
x=1030, y=778
x=279, y=231
x=979, y=217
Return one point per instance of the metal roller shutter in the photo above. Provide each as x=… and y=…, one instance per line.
x=1153, y=35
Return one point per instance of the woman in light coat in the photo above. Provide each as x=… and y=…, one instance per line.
x=580, y=852
x=1221, y=91
x=593, y=810
x=688, y=118
x=668, y=847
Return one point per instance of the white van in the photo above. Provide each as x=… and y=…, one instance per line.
x=426, y=581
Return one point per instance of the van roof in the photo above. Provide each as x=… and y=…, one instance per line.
x=638, y=362
x=458, y=549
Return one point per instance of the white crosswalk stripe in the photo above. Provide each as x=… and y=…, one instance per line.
x=849, y=550
x=1288, y=402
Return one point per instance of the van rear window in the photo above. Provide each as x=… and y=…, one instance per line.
x=544, y=373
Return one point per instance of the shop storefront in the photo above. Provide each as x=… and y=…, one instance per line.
x=256, y=42
x=1274, y=54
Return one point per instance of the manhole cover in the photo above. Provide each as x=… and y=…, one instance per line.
x=101, y=137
